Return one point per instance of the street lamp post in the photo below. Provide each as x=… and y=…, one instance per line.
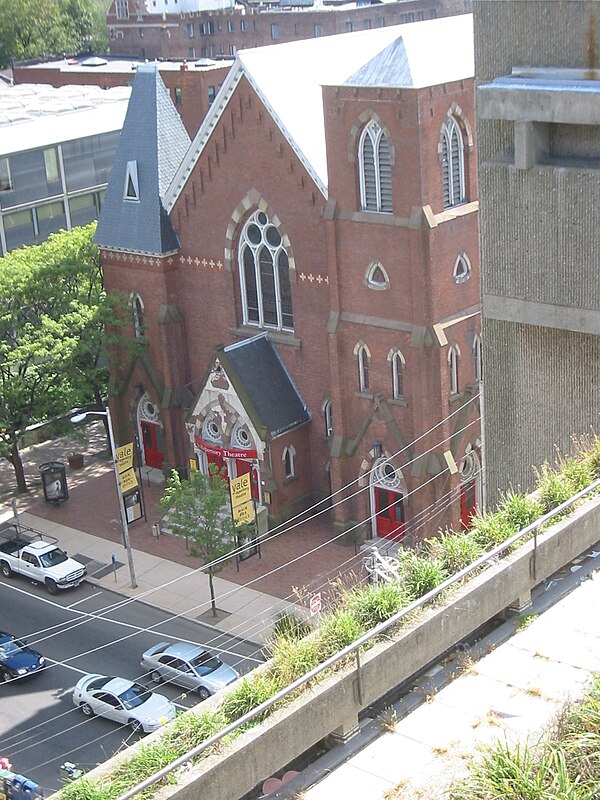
x=111, y=435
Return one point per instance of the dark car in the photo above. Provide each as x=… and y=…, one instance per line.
x=17, y=660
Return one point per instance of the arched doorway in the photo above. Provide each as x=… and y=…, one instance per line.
x=233, y=455
x=470, y=487
x=150, y=433
x=388, y=490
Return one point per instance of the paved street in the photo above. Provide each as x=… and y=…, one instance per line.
x=40, y=727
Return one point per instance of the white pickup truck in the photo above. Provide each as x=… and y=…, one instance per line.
x=24, y=551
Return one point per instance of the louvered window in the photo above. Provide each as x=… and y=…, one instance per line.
x=265, y=275
x=375, y=170
x=453, y=165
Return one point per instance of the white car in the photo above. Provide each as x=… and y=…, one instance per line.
x=188, y=665
x=123, y=701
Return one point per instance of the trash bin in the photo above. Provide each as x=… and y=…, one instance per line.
x=54, y=481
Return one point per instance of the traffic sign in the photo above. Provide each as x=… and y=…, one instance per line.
x=315, y=604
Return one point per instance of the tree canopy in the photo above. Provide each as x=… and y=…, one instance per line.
x=34, y=28
x=53, y=310
x=199, y=510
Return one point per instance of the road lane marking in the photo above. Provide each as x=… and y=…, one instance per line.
x=83, y=600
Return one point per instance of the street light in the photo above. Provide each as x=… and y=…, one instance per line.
x=106, y=413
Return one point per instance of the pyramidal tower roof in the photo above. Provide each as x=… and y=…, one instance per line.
x=152, y=144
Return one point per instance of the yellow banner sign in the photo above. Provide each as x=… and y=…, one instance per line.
x=240, y=490
x=243, y=514
x=124, y=457
x=128, y=480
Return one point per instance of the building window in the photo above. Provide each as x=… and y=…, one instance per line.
x=141, y=32
x=462, y=269
x=376, y=277
x=375, y=170
x=51, y=164
x=381, y=22
x=191, y=52
x=210, y=27
x=288, y=459
x=190, y=30
x=407, y=17
x=453, y=357
x=5, y=178
x=212, y=93
x=178, y=96
x=122, y=9
x=132, y=191
x=398, y=365
x=274, y=31
x=453, y=164
x=328, y=418
x=296, y=27
x=137, y=311
x=477, y=358
x=230, y=27
x=420, y=16
x=232, y=49
x=367, y=24
x=348, y=27
x=433, y=13
x=202, y=28
x=243, y=25
x=318, y=29
x=265, y=275
x=212, y=51
x=362, y=355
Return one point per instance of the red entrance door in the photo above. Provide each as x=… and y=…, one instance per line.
x=153, y=456
x=389, y=513
x=468, y=503
x=218, y=460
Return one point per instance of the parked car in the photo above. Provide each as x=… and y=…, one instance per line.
x=188, y=665
x=123, y=701
x=17, y=660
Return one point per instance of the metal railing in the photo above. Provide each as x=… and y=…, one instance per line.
x=490, y=555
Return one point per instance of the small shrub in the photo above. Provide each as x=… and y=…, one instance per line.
x=291, y=626
x=491, y=529
x=376, y=603
x=338, y=629
x=553, y=488
x=87, y=789
x=520, y=510
x=292, y=658
x=421, y=573
x=454, y=551
x=247, y=695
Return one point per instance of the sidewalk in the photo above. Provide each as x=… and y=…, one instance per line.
x=292, y=566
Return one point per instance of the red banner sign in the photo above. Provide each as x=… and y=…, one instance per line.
x=224, y=452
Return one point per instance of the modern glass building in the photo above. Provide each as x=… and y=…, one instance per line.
x=56, y=152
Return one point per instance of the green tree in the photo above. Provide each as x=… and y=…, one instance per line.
x=53, y=310
x=31, y=28
x=199, y=509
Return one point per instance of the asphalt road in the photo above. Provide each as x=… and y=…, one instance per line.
x=81, y=631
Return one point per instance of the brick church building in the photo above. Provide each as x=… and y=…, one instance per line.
x=303, y=278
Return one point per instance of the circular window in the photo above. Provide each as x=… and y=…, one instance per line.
x=148, y=410
x=240, y=436
x=211, y=432
x=262, y=218
x=253, y=233
x=273, y=237
x=385, y=474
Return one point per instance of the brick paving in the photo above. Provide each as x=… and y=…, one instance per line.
x=92, y=507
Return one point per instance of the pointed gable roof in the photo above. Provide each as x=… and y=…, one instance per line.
x=264, y=385
x=289, y=80
x=152, y=144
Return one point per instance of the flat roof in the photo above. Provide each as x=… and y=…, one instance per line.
x=124, y=66
x=38, y=115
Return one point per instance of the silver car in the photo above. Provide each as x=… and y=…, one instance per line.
x=123, y=701
x=188, y=665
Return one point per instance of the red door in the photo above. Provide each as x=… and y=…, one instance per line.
x=389, y=513
x=218, y=460
x=153, y=457
x=468, y=503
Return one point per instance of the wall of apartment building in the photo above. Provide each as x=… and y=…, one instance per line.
x=217, y=34
x=540, y=248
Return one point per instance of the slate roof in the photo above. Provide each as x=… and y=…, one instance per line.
x=264, y=385
x=154, y=136
x=289, y=78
